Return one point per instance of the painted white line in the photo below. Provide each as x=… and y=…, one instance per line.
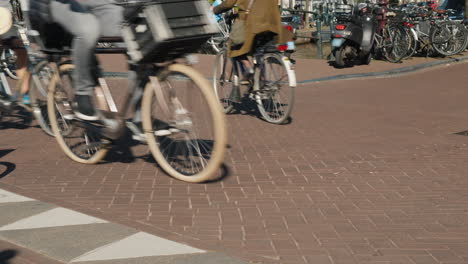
x=137, y=245
x=53, y=218
x=9, y=197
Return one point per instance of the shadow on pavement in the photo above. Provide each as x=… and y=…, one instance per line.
x=6, y=167
x=462, y=133
x=7, y=255
x=121, y=152
x=17, y=118
x=249, y=107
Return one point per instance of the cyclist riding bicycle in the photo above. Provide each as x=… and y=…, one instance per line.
x=87, y=21
x=262, y=20
x=9, y=37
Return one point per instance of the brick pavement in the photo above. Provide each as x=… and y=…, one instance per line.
x=369, y=171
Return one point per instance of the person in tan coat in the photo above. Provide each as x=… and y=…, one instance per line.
x=263, y=17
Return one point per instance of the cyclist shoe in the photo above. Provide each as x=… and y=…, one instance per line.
x=162, y=129
x=84, y=108
x=25, y=99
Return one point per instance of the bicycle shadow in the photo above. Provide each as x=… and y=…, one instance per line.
x=249, y=107
x=9, y=167
x=17, y=118
x=7, y=255
x=122, y=152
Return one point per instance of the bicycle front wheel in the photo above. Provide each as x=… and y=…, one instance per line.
x=184, y=124
x=412, y=43
x=75, y=138
x=274, y=83
x=449, y=38
x=40, y=79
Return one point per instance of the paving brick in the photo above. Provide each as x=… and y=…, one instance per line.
x=367, y=172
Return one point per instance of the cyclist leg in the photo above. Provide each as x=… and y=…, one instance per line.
x=84, y=26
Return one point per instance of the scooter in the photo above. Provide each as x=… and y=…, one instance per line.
x=353, y=37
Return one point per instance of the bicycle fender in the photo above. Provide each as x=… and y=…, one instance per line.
x=290, y=70
x=415, y=35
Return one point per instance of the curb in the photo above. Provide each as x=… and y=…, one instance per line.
x=393, y=72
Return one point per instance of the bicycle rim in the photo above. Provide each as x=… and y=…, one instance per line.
x=274, y=94
x=223, y=80
x=77, y=142
x=40, y=79
x=443, y=41
x=186, y=107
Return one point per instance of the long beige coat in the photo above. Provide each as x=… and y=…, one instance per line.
x=263, y=16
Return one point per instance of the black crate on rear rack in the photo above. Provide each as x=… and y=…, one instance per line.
x=157, y=31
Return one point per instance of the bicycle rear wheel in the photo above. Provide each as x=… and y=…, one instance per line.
x=78, y=141
x=412, y=43
x=449, y=38
x=184, y=124
x=274, y=83
x=224, y=79
x=40, y=78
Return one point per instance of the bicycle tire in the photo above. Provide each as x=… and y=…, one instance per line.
x=267, y=92
x=412, y=43
x=342, y=60
x=167, y=151
x=57, y=92
x=222, y=85
x=461, y=37
x=393, y=44
x=442, y=39
x=38, y=96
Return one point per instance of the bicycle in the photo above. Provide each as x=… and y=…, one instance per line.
x=37, y=68
x=448, y=37
x=268, y=88
x=392, y=42
x=173, y=124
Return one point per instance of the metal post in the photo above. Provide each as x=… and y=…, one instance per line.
x=318, y=22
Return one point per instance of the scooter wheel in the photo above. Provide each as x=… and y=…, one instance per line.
x=366, y=59
x=343, y=57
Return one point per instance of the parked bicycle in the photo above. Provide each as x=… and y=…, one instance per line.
x=433, y=34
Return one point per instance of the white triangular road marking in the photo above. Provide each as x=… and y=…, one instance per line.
x=53, y=218
x=9, y=197
x=137, y=245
